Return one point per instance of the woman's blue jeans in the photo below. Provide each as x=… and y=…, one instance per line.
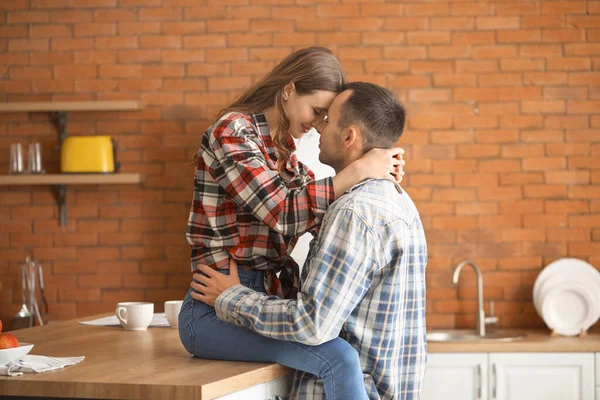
x=204, y=335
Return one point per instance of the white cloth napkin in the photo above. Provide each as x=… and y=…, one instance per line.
x=31, y=363
x=158, y=320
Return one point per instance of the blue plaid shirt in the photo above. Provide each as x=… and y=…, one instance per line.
x=364, y=280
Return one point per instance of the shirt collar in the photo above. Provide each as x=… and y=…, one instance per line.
x=364, y=182
x=261, y=123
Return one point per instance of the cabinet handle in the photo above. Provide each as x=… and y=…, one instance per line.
x=494, y=381
x=479, y=381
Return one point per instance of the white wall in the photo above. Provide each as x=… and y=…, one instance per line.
x=308, y=153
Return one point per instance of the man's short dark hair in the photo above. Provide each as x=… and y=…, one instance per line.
x=377, y=111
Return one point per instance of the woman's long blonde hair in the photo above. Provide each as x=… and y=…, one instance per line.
x=310, y=69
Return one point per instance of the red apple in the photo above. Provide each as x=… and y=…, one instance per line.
x=0, y=326
x=8, y=341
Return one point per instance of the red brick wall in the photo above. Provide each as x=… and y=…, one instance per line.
x=503, y=140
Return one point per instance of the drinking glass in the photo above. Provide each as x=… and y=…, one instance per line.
x=16, y=159
x=35, y=158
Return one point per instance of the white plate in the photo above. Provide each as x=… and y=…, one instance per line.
x=15, y=353
x=569, y=307
x=588, y=289
x=560, y=278
x=565, y=268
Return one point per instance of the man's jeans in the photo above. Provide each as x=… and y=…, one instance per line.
x=204, y=335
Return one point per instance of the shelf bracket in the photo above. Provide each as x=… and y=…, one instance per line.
x=61, y=199
x=60, y=122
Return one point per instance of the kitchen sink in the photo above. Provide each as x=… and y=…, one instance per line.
x=458, y=335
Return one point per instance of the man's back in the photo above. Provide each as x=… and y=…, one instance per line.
x=375, y=223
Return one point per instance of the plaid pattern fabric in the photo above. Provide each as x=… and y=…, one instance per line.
x=364, y=280
x=243, y=209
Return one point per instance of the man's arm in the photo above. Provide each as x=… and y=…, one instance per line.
x=340, y=274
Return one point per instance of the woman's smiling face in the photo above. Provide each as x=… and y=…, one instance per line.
x=306, y=111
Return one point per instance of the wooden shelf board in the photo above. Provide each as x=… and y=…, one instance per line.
x=71, y=106
x=69, y=179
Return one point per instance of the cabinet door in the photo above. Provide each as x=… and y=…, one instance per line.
x=455, y=376
x=257, y=392
x=279, y=387
x=597, y=371
x=548, y=376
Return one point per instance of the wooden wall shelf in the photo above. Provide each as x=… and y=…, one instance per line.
x=69, y=179
x=58, y=106
x=60, y=182
x=59, y=111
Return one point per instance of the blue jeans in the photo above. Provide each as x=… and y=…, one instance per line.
x=204, y=335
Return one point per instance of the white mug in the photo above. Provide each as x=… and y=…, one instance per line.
x=135, y=316
x=172, y=309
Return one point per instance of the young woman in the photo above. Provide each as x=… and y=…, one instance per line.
x=253, y=198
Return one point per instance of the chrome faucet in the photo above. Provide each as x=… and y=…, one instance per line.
x=482, y=320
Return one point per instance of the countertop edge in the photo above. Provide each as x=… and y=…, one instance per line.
x=536, y=341
x=88, y=388
x=239, y=382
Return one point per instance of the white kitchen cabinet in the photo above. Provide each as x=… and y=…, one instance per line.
x=455, y=376
x=511, y=376
x=597, y=370
x=277, y=387
x=548, y=376
x=257, y=392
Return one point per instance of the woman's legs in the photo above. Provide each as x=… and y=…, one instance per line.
x=335, y=362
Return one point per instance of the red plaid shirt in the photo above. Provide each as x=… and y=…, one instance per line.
x=243, y=209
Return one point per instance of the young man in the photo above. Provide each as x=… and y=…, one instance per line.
x=364, y=278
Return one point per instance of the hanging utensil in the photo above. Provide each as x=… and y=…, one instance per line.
x=41, y=281
x=32, y=297
x=24, y=317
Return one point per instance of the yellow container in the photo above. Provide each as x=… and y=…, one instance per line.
x=87, y=154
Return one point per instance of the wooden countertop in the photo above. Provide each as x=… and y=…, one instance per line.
x=537, y=341
x=122, y=364
x=153, y=364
